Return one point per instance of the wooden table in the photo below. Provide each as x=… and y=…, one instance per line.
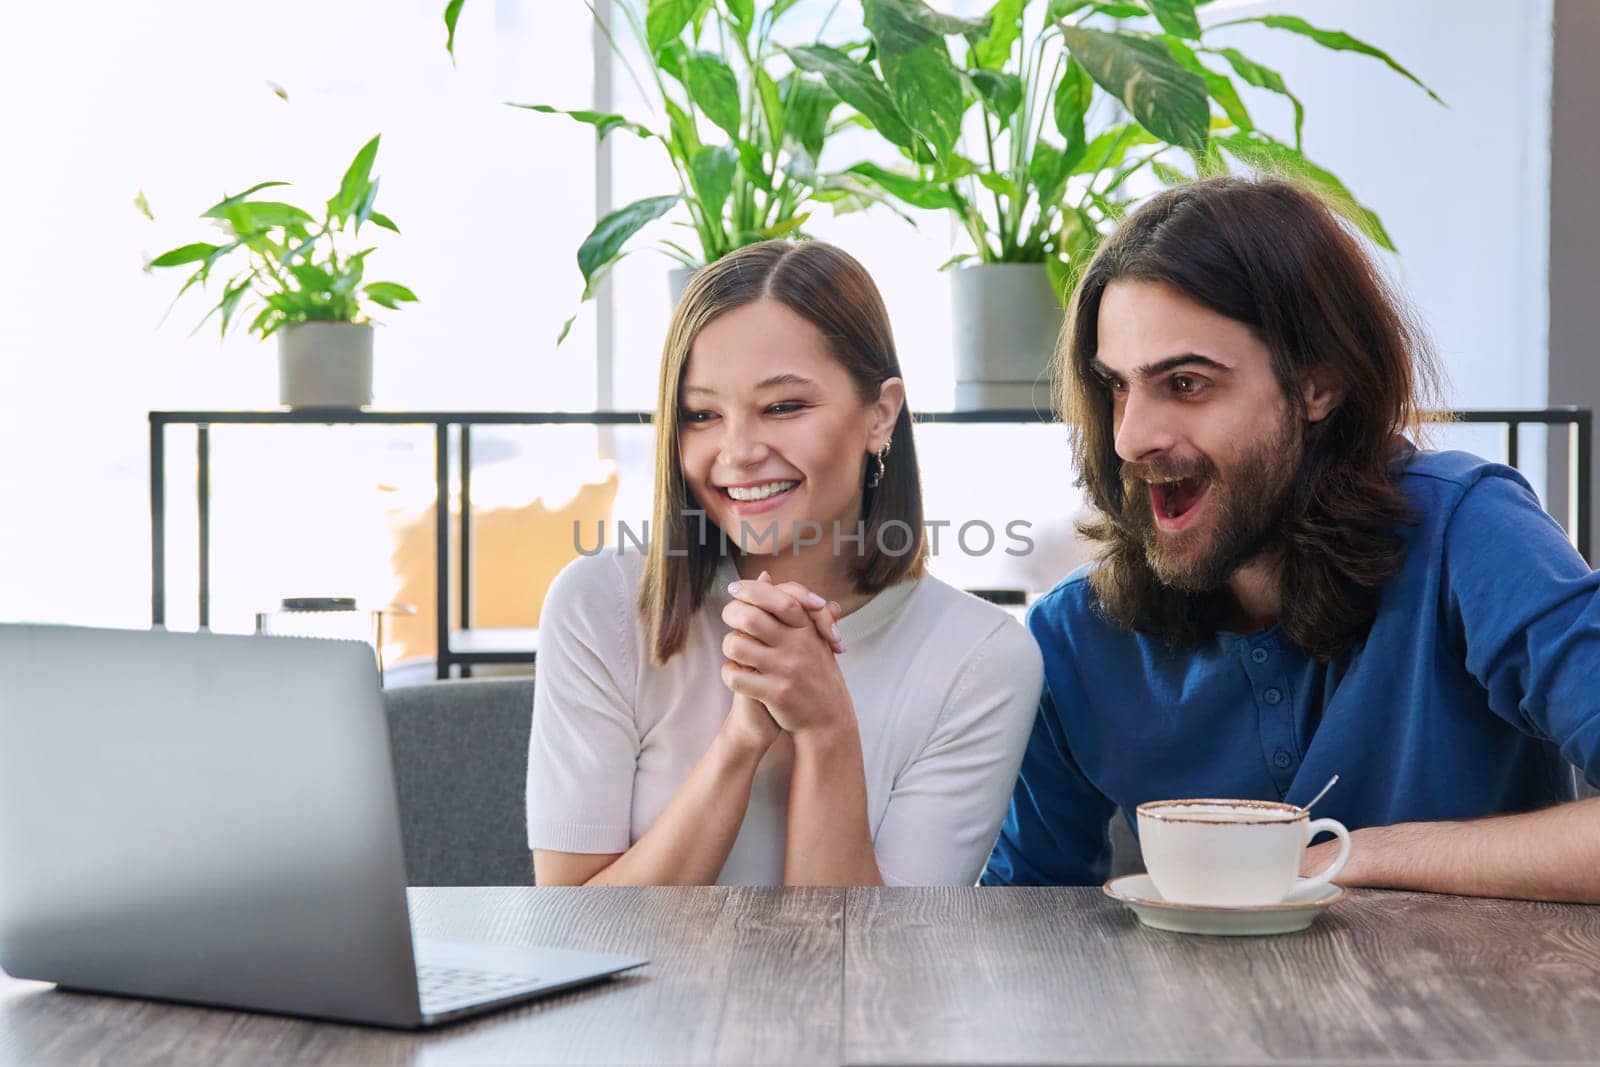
x=912, y=976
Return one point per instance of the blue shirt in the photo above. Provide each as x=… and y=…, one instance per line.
x=1475, y=691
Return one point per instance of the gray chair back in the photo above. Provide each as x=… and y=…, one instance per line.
x=461, y=767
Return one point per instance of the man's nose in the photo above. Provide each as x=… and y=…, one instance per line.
x=1139, y=431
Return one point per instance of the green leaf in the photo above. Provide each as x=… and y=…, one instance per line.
x=1120, y=10
x=1218, y=86
x=784, y=228
x=142, y=205
x=1265, y=78
x=452, y=12
x=1261, y=153
x=857, y=86
x=685, y=137
x=711, y=170
x=1060, y=9
x=599, y=250
x=256, y=216
x=380, y=219
x=1164, y=98
x=1002, y=91
x=1048, y=171
x=231, y=295
x=1177, y=17
x=1334, y=39
x=809, y=104
x=755, y=167
x=1168, y=175
x=1071, y=102
x=924, y=84
x=909, y=188
x=743, y=12
x=665, y=20
x=602, y=121
x=388, y=294
x=215, y=211
x=1111, y=147
x=999, y=183
x=1005, y=26
x=905, y=25
x=355, y=183
x=714, y=90
x=192, y=253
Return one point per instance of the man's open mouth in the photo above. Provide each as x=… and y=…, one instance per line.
x=1176, y=500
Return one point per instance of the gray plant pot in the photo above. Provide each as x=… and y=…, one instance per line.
x=1006, y=324
x=325, y=365
x=677, y=281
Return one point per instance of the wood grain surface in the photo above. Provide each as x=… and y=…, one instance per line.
x=737, y=976
x=924, y=976
x=1069, y=976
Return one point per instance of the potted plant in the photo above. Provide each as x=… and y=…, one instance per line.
x=742, y=125
x=301, y=278
x=1030, y=141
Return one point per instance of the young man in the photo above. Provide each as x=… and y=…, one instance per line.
x=1287, y=588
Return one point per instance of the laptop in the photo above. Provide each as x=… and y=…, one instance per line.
x=208, y=818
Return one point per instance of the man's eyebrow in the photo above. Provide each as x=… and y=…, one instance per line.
x=1162, y=366
x=765, y=383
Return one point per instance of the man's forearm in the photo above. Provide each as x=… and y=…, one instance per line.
x=1553, y=854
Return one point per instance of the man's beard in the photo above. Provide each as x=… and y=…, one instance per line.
x=1248, y=511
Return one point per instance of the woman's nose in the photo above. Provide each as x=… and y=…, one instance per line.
x=741, y=445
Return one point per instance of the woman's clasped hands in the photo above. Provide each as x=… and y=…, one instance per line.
x=782, y=665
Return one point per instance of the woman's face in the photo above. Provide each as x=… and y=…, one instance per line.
x=772, y=433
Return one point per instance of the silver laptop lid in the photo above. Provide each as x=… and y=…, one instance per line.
x=202, y=817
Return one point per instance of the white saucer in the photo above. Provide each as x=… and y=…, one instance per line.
x=1138, y=892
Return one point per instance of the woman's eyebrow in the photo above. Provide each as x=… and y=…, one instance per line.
x=792, y=380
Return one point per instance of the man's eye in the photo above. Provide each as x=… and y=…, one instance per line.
x=1183, y=383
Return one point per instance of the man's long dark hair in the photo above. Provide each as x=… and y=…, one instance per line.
x=1275, y=257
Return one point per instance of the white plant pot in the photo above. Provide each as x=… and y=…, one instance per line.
x=677, y=281
x=1006, y=324
x=325, y=365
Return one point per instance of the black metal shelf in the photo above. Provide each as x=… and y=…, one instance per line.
x=1580, y=419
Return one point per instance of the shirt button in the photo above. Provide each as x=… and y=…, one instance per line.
x=1259, y=655
x=1281, y=759
x=1272, y=696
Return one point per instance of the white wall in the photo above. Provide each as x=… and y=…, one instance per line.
x=1463, y=189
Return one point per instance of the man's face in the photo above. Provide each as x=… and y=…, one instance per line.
x=1208, y=441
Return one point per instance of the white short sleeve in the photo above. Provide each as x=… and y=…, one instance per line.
x=584, y=746
x=945, y=809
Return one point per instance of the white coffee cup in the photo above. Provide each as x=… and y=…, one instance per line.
x=1232, y=853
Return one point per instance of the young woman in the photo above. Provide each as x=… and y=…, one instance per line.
x=776, y=692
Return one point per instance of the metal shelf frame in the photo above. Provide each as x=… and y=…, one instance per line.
x=1579, y=420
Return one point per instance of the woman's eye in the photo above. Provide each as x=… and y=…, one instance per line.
x=697, y=416
x=787, y=407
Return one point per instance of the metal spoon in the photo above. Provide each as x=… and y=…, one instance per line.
x=1320, y=795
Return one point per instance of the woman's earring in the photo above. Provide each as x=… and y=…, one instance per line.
x=878, y=458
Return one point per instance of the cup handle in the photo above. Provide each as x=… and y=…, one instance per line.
x=1337, y=828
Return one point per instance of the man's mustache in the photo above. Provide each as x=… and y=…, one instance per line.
x=1165, y=470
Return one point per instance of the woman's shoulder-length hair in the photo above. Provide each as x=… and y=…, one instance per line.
x=827, y=287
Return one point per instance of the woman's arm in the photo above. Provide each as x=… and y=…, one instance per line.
x=690, y=841
x=777, y=655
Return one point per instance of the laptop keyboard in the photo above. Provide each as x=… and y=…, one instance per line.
x=443, y=989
